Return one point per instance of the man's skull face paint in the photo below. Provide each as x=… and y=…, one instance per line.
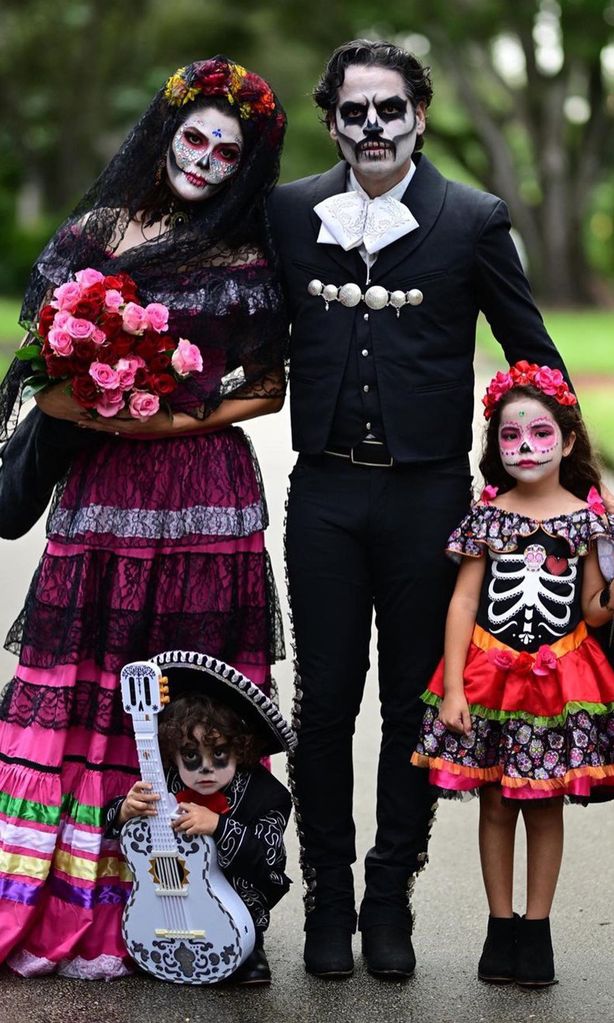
x=530, y=441
x=204, y=154
x=375, y=123
x=205, y=769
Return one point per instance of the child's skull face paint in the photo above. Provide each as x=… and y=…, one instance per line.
x=205, y=769
x=205, y=152
x=375, y=123
x=530, y=440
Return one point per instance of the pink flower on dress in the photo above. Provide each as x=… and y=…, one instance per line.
x=104, y=376
x=186, y=358
x=157, y=316
x=143, y=404
x=502, y=659
x=110, y=403
x=489, y=493
x=134, y=318
x=545, y=661
x=60, y=341
x=67, y=296
x=88, y=277
x=549, y=380
x=595, y=501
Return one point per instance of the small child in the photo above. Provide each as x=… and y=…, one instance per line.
x=521, y=707
x=211, y=750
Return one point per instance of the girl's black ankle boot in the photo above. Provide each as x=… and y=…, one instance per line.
x=534, y=955
x=498, y=960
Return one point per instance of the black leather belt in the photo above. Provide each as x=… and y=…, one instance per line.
x=371, y=453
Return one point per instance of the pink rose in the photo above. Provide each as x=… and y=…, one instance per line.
x=488, y=494
x=186, y=358
x=157, y=316
x=78, y=328
x=113, y=299
x=98, y=336
x=545, y=661
x=67, y=296
x=88, y=277
x=134, y=318
x=110, y=403
x=61, y=318
x=548, y=380
x=126, y=371
x=593, y=498
x=104, y=376
x=502, y=659
x=142, y=404
x=61, y=341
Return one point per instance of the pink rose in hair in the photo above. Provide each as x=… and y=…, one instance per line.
x=110, y=403
x=143, y=404
x=78, y=328
x=67, y=296
x=186, y=358
x=134, y=318
x=61, y=341
x=104, y=376
x=549, y=380
x=157, y=317
x=88, y=277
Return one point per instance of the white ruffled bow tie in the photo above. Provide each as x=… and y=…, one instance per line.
x=351, y=220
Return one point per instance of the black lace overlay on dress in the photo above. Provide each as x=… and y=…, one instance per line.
x=82, y=705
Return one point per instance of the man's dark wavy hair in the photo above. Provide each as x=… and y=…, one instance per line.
x=367, y=53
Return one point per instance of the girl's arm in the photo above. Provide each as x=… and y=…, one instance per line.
x=593, y=586
x=454, y=711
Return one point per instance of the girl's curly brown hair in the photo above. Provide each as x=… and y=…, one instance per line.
x=579, y=469
x=182, y=716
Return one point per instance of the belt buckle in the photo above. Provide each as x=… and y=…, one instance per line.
x=371, y=465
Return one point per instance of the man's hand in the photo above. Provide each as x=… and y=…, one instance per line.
x=454, y=714
x=196, y=820
x=140, y=802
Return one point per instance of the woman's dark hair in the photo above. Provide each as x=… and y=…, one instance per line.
x=579, y=469
x=183, y=715
x=366, y=53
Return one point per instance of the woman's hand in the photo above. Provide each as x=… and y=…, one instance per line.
x=54, y=401
x=140, y=802
x=454, y=713
x=196, y=820
x=156, y=427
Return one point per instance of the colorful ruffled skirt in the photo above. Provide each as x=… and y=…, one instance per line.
x=540, y=728
x=152, y=546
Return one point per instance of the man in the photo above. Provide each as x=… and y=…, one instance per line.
x=387, y=265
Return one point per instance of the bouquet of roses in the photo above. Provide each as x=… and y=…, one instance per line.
x=114, y=353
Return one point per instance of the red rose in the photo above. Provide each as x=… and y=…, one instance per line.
x=84, y=391
x=57, y=367
x=141, y=378
x=162, y=383
x=159, y=363
x=147, y=346
x=166, y=343
x=85, y=351
x=45, y=319
x=113, y=282
x=88, y=309
x=122, y=344
x=111, y=323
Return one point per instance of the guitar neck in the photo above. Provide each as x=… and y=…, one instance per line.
x=152, y=771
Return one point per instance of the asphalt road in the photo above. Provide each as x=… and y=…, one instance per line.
x=450, y=905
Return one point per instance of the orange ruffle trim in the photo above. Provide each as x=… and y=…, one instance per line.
x=495, y=774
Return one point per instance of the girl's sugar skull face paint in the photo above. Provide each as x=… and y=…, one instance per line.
x=205, y=152
x=205, y=769
x=530, y=440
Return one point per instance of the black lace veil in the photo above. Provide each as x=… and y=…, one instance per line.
x=214, y=265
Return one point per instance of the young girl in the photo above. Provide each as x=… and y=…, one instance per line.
x=212, y=735
x=521, y=707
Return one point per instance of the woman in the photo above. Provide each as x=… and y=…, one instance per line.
x=156, y=539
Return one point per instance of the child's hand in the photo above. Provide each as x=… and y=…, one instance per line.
x=196, y=820
x=140, y=802
x=454, y=714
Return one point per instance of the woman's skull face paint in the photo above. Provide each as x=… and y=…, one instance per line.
x=375, y=123
x=530, y=440
x=205, y=769
x=204, y=154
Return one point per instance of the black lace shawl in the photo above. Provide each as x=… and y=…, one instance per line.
x=214, y=267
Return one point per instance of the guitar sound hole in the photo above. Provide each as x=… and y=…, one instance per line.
x=169, y=872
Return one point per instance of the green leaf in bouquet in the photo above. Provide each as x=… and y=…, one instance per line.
x=33, y=385
x=28, y=352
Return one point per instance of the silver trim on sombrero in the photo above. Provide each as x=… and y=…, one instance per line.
x=226, y=673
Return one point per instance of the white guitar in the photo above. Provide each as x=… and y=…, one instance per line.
x=183, y=921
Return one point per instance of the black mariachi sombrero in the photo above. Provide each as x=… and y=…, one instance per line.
x=191, y=672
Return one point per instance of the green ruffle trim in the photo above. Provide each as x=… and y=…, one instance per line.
x=593, y=709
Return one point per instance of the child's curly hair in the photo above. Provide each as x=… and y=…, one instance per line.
x=182, y=716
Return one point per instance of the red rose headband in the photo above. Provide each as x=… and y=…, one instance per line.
x=522, y=374
x=249, y=93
